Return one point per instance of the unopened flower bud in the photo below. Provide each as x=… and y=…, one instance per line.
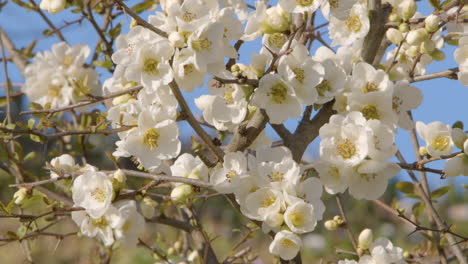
x=365, y=238
x=416, y=37
x=438, y=55
x=406, y=254
x=178, y=245
x=53, y=6
x=276, y=20
x=404, y=27
x=170, y=251
x=423, y=151
x=394, y=35
x=119, y=176
x=235, y=68
x=339, y=220
x=148, y=207
x=431, y=23
x=413, y=51
x=407, y=9
x=393, y=17
x=427, y=46
x=177, y=40
x=180, y=193
x=20, y=195
x=331, y=225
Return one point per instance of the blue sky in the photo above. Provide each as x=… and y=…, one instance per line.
x=444, y=100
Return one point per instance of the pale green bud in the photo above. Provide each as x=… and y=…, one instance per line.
x=413, y=51
x=181, y=193
x=416, y=37
x=438, y=55
x=404, y=27
x=331, y=225
x=431, y=23
x=427, y=46
x=20, y=195
x=119, y=176
x=407, y=9
x=394, y=35
x=365, y=238
x=148, y=207
x=458, y=137
x=394, y=17
x=423, y=151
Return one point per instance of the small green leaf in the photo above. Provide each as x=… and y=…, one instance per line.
x=440, y=192
x=103, y=64
x=21, y=231
x=31, y=155
x=143, y=6
x=37, y=138
x=418, y=209
x=405, y=187
x=12, y=235
x=32, y=200
x=31, y=123
x=458, y=124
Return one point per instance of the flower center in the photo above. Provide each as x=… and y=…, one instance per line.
x=397, y=102
x=100, y=223
x=297, y=219
x=268, y=200
x=370, y=112
x=150, y=66
x=277, y=40
x=54, y=91
x=188, y=69
x=304, y=2
x=287, y=243
x=353, y=23
x=299, y=74
x=231, y=175
x=276, y=176
x=188, y=17
x=151, y=138
x=278, y=93
x=440, y=143
x=201, y=44
x=370, y=87
x=323, y=87
x=228, y=97
x=99, y=194
x=346, y=149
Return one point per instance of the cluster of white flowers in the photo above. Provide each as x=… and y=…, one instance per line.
x=94, y=191
x=461, y=56
x=379, y=251
x=269, y=188
x=59, y=77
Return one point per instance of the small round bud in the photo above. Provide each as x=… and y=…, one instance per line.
x=20, y=195
x=423, y=151
x=438, y=55
x=407, y=9
x=365, y=238
x=119, y=176
x=53, y=6
x=339, y=220
x=427, y=46
x=413, y=51
x=148, y=207
x=177, y=40
x=431, y=23
x=394, y=35
x=178, y=245
x=406, y=254
x=416, y=37
x=404, y=27
x=170, y=251
x=235, y=68
x=331, y=225
x=180, y=193
x=393, y=17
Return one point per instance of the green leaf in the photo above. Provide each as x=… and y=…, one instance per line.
x=143, y=6
x=32, y=200
x=21, y=231
x=31, y=155
x=115, y=32
x=412, y=195
x=11, y=235
x=103, y=64
x=31, y=123
x=37, y=138
x=405, y=187
x=418, y=209
x=458, y=124
x=3, y=208
x=440, y=192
